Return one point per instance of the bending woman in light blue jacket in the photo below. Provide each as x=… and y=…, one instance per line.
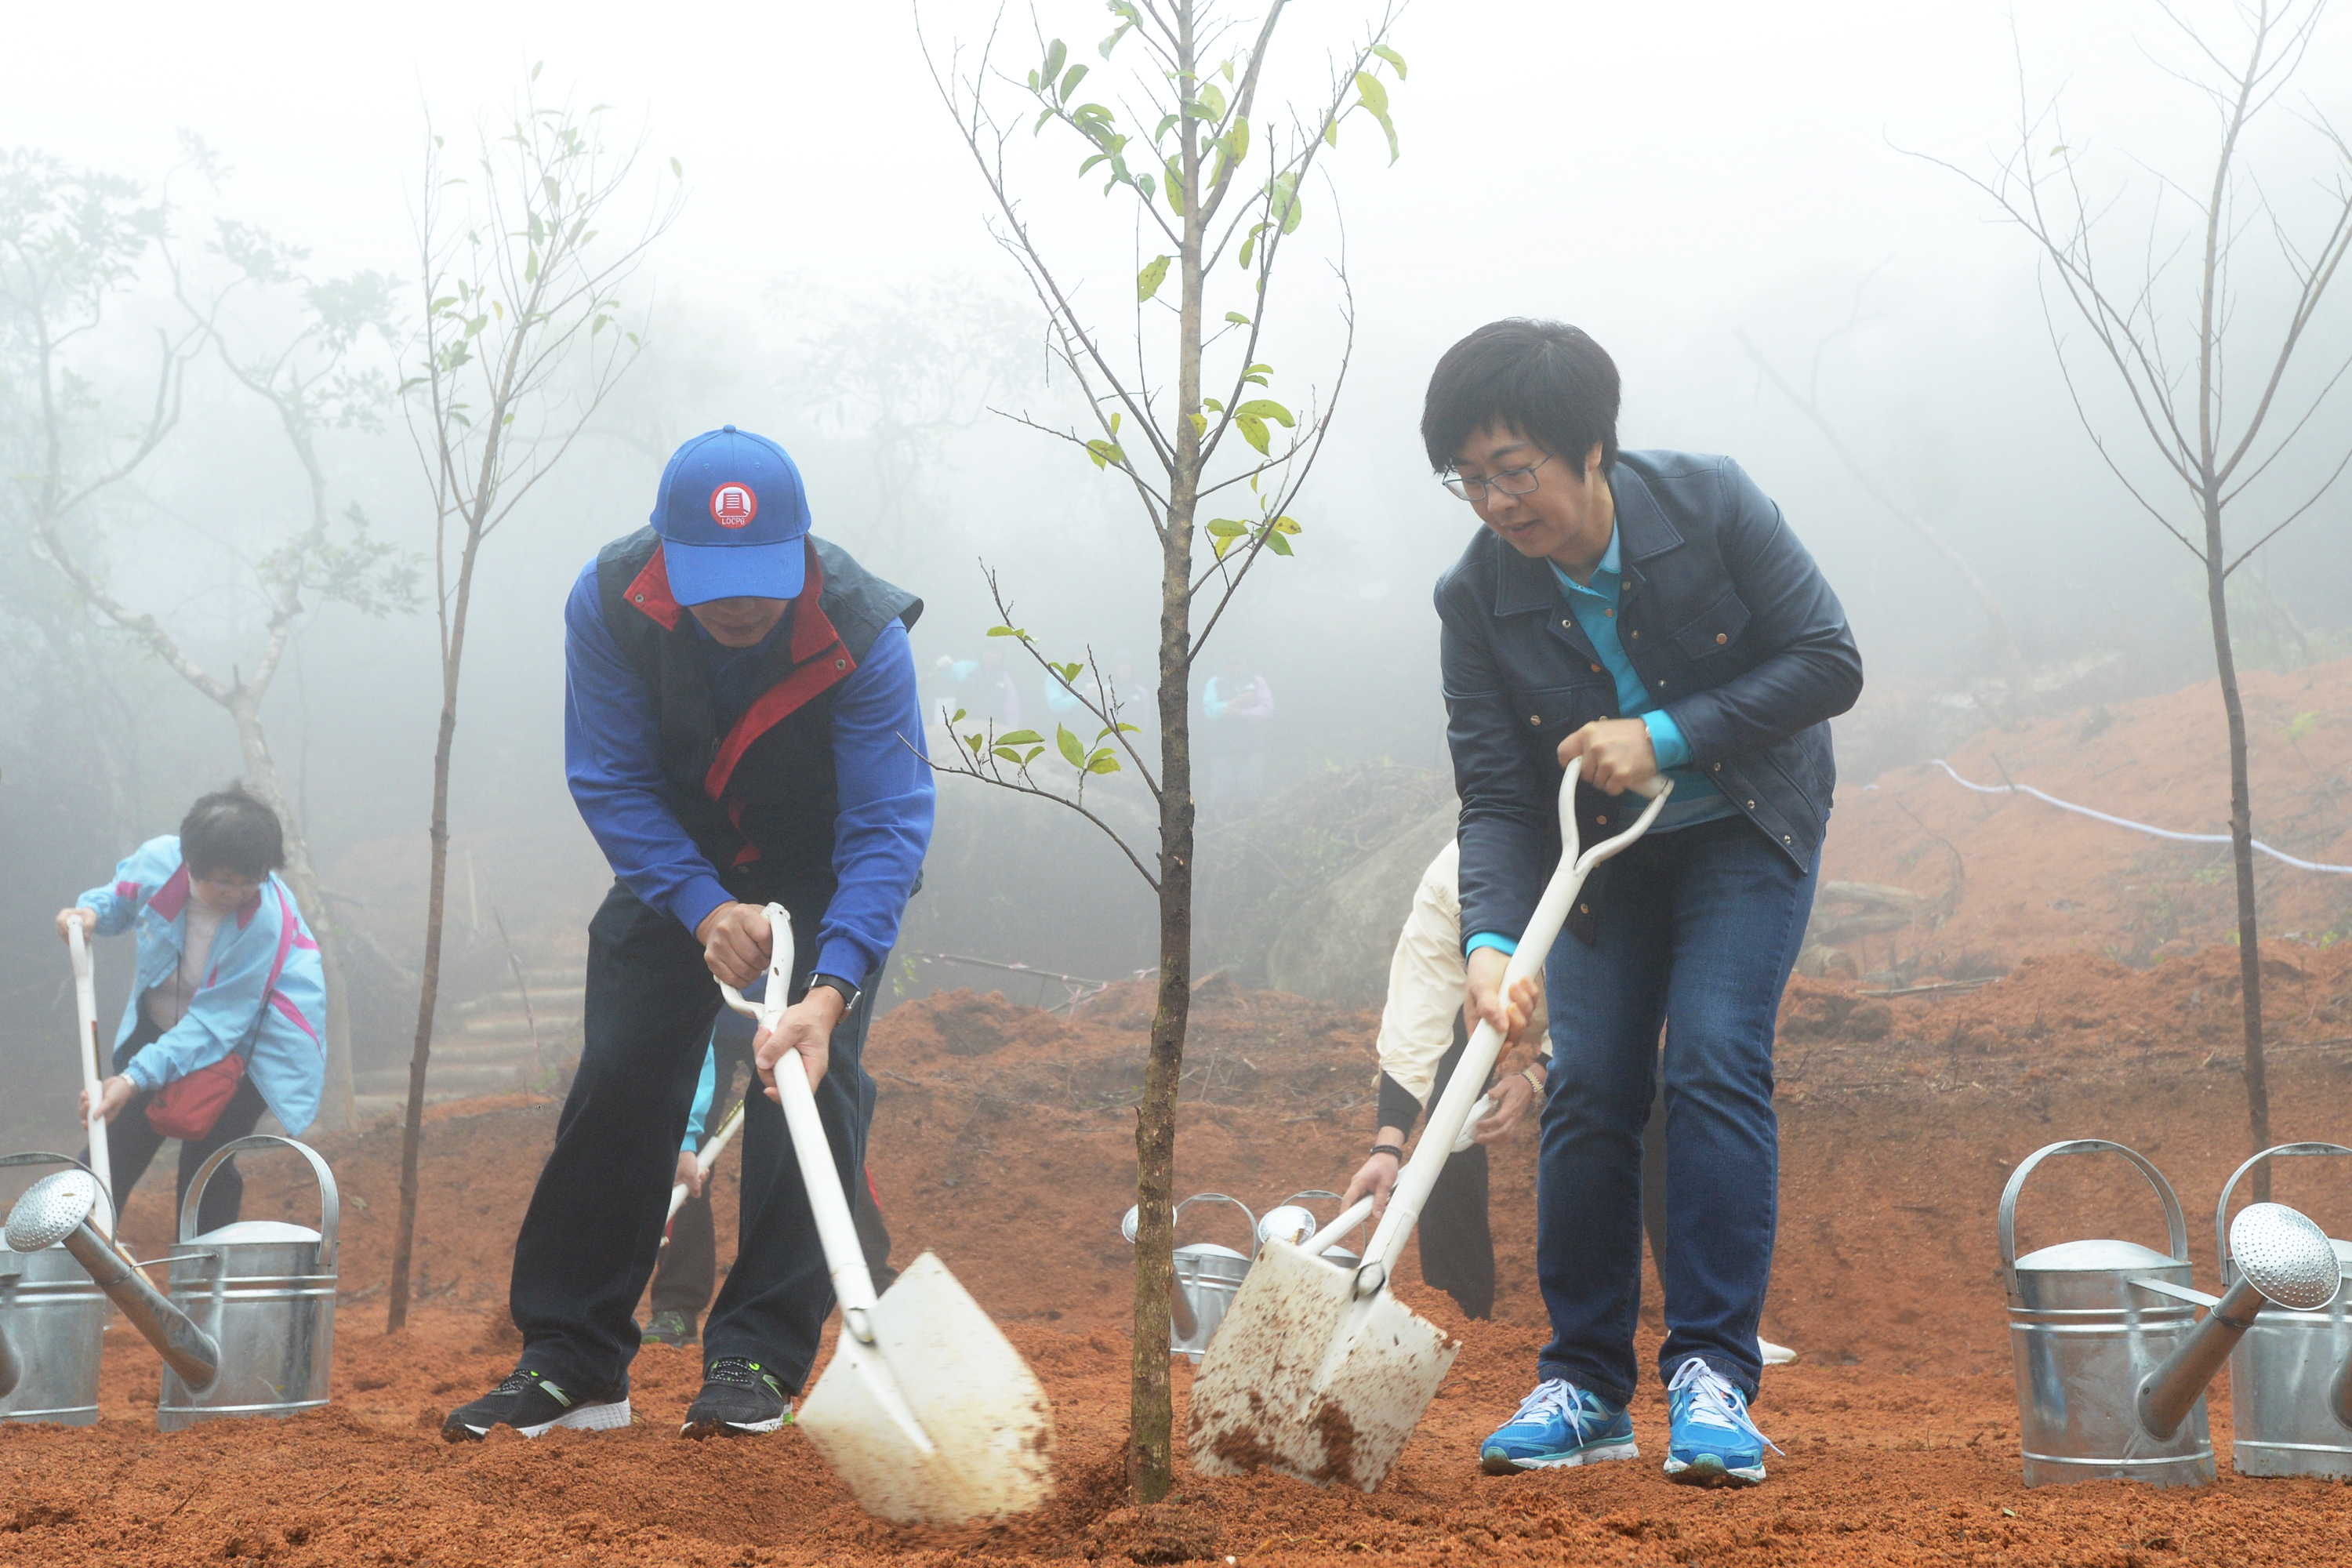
x=226, y=969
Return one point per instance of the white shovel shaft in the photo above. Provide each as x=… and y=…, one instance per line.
x=1323, y=1240
x=1469, y=1080
x=853, y=1287
x=708, y=1159
x=87, y=1050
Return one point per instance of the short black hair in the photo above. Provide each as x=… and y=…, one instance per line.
x=1546, y=380
x=229, y=830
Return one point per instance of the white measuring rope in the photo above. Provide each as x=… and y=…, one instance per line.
x=2138, y=827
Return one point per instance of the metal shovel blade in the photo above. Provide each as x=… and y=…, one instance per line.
x=982, y=1445
x=1311, y=1381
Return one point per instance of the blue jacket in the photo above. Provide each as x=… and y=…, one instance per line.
x=1733, y=629
x=237, y=1006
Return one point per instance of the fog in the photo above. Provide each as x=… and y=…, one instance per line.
x=1666, y=178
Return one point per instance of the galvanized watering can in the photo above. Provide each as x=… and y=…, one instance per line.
x=2111, y=1363
x=1207, y=1275
x=51, y=1318
x=2289, y=1410
x=265, y=1292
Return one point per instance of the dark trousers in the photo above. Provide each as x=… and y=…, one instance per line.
x=131, y=1144
x=1698, y=930
x=591, y=1236
x=689, y=1269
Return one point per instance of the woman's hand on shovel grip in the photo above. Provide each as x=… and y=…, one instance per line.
x=1486, y=1000
x=735, y=939
x=112, y=1096
x=806, y=1027
x=1377, y=1176
x=1619, y=753
x=690, y=1174
x=66, y=917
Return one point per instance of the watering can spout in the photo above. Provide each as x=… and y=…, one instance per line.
x=2284, y=1259
x=57, y=1209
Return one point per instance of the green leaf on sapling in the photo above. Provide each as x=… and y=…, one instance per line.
x=1265, y=408
x=1254, y=431
x=1237, y=319
x=1055, y=53
x=1070, y=80
x=1391, y=55
x=1021, y=738
x=1072, y=751
x=1148, y=281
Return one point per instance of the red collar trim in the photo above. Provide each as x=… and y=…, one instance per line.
x=820, y=662
x=172, y=895
x=649, y=592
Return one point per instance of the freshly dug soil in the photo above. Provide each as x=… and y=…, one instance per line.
x=1003, y=1141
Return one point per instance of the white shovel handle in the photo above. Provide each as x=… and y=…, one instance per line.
x=853, y=1287
x=708, y=1158
x=87, y=1050
x=1469, y=1080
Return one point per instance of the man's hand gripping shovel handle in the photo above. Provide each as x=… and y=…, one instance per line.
x=1469, y=1081
x=853, y=1287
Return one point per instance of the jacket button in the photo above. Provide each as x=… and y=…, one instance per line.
x=1536, y=720
x=1721, y=637
x=1662, y=686
x=1784, y=838
x=841, y=664
x=640, y=598
x=1596, y=670
x=1719, y=767
x=1603, y=821
x=1565, y=625
x=1752, y=806
x=1584, y=909
x=1637, y=636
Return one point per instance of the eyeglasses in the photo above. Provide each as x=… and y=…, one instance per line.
x=1509, y=481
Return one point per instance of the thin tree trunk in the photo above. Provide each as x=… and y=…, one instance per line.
x=337, y=1111
x=2242, y=850
x=1150, y=1455
x=429, y=991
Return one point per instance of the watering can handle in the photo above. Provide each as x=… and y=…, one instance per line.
x=330, y=1203
x=853, y=1286
x=1219, y=1198
x=2176, y=1224
x=1469, y=1081
x=2221, y=1209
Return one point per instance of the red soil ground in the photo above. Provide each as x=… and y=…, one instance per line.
x=2035, y=879
x=1003, y=1142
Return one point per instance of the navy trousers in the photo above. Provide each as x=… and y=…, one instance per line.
x=1698, y=930
x=592, y=1232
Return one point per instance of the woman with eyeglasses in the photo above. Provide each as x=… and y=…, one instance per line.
x=1648, y=613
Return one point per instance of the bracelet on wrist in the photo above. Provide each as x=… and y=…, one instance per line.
x=1528, y=1073
x=1389, y=1148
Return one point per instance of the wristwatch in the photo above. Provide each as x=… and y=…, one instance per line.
x=848, y=991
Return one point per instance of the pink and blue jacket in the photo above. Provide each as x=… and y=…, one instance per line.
x=264, y=991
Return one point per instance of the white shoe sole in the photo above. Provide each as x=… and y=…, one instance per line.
x=1597, y=1453
x=587, y=1418
x=739, y=1428
x=1714, y=1475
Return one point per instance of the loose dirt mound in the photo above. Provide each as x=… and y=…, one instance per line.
x=1004, y=1142
x=2022, y=876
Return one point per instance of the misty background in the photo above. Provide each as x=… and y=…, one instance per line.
x=1668, y=182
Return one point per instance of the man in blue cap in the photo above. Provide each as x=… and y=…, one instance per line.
x=741, y=727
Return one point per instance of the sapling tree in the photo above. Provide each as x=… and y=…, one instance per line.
x=2168, y=318
x=1181, y=409
x=520, y=344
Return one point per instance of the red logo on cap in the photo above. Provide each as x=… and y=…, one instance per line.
x=733, y=506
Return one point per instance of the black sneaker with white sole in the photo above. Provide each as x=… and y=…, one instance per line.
x=531, y=1404
x=739, y=1397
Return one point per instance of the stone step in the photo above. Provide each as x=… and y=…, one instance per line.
x=464, y=1050
x=558, y=991
x=456, y=1079
x=515, y=1021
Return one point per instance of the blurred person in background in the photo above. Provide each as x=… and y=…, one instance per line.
x=1238, y=704
x=742, y=726
x=1635, y=614
x=227, y=1012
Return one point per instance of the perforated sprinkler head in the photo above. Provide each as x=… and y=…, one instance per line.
x=2278, y=1251
x=1291, y=1222
x=1127, y=1223
x=52, y=1208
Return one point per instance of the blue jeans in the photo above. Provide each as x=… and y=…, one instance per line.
x=1698, y=930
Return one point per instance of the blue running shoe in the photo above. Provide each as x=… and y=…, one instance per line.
x=1714, y=1443
x=1558, y=1426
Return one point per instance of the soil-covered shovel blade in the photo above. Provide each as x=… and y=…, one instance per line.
x=982, y=1444
x=1305, y=1379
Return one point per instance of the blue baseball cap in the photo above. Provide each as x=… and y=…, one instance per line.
x=731, y=515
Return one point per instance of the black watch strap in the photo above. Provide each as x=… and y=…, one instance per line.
x=848, y=991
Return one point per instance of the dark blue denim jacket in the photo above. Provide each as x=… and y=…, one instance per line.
x=1727, y=620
